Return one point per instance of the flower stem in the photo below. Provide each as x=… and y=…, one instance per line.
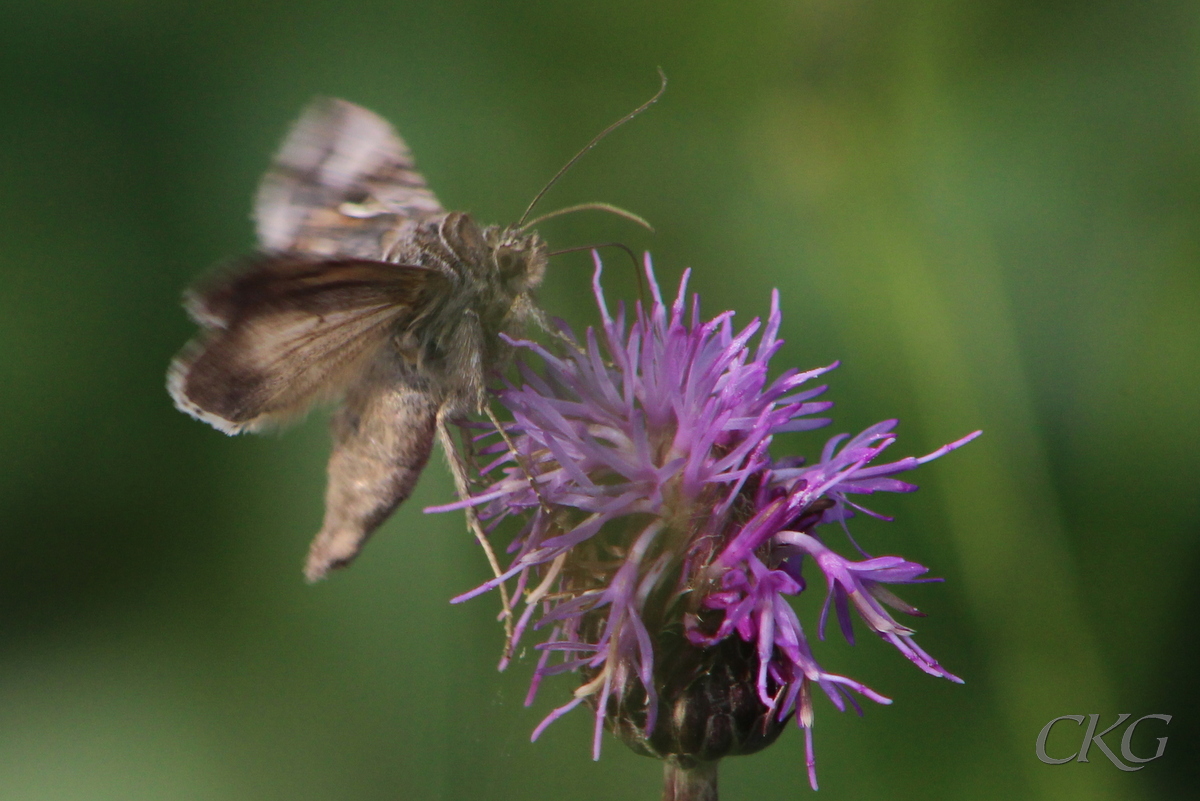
x=694, y=782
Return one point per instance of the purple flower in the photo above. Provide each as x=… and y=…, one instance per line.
x=658, y=541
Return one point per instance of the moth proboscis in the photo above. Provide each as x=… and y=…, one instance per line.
x=366, y=289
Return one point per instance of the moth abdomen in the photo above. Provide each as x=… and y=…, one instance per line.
x=383, y=436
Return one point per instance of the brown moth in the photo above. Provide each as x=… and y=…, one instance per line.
x=366, y=289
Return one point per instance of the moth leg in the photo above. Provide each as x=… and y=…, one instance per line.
x=525, y=309
x=462, y=486
x=382, y=438
x=512, y=448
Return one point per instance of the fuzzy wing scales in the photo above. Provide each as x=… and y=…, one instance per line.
x=341, y=184
x=285, y=332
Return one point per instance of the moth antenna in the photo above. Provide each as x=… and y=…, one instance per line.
x=662, y=76
x=637, y=269
x=610, y=208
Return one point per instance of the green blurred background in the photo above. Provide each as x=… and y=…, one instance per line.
x=988, y=211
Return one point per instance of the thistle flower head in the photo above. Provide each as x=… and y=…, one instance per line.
x=659, y=541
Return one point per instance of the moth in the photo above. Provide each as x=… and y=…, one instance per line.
x=364, y=289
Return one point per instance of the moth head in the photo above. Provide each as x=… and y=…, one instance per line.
x=520, y=258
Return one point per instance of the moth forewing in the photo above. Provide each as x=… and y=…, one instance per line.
x=340, y=183
x=285, y=332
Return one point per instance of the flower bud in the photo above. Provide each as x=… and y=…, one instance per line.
x=708, y=704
